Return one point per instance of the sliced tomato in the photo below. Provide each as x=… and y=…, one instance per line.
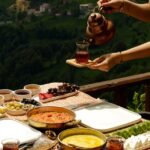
x=41, y=96
x=45, y=95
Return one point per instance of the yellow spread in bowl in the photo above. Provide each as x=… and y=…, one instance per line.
x=83, y=141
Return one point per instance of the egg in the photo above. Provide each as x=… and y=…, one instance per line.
x=85, y=141
x=139, y=142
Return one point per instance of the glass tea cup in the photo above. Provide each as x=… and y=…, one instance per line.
x=82, y=53
x=10, y=144
x=115, y=143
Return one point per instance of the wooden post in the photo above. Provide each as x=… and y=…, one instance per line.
x=147, y=96
x=121, y=96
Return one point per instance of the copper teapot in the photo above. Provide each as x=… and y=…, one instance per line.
x=99, y=30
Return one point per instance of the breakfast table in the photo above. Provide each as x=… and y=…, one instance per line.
x=95, y=113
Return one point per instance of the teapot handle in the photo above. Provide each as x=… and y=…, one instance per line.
x=101, y=9
x=97, y=9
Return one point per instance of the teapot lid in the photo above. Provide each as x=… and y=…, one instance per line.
x=96, y=18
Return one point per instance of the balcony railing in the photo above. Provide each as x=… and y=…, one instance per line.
x=120, y=87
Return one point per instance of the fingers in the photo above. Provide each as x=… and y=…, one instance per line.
x=96, y=61
x=103, y=66
x=105, y=69
x=109, y=6
x=100, y=63
x=99, y=59
x=104, y=3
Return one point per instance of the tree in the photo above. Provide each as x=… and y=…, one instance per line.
x=22, y=5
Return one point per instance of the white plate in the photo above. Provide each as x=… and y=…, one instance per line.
x=17, y=130
x=107, y=117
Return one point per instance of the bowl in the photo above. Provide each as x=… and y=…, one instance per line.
x=16, y=112
x=15, y=108
x=7, y=93
x=20, y=94
x=81, y=139
x=2, y=111
x=43, y=117
x=34, y=88
x=1, y=99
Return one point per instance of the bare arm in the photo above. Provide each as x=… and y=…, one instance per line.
x=108, y=61
x=141, y=51
x=139, y=11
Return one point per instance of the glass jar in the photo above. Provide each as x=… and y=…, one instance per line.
x=82, y=53
x=115, y=143
x=10, y=144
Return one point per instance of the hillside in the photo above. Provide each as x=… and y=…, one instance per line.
x=35, y=51
x=6, y=3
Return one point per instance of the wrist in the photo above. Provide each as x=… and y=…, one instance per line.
x=125, y=6
x=118, y=57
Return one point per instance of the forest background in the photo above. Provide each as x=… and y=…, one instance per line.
x=33, y=49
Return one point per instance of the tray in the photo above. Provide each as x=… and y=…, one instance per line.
x=75, y=64
x=59, y=97
x=18, y=130
x=44, y=89
x=107, y=117
x=76, y=100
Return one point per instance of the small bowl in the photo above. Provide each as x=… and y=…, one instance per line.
x=81, y=131
x=16, y=112
x=2, y=111
x=34, y=88
x=1, y=99
x=7, y=93
x=20, y=94
x=15, y=108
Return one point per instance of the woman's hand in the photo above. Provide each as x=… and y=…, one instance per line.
x=111, y=6
x=106, y=62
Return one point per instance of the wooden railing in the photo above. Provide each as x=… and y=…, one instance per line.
x=120, y=87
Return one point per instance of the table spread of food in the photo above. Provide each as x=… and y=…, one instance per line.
x=59, y=116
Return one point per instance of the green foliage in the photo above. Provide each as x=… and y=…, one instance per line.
x=138, y=102
x=87, y=1
x=136, y=129
x=6, y=3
